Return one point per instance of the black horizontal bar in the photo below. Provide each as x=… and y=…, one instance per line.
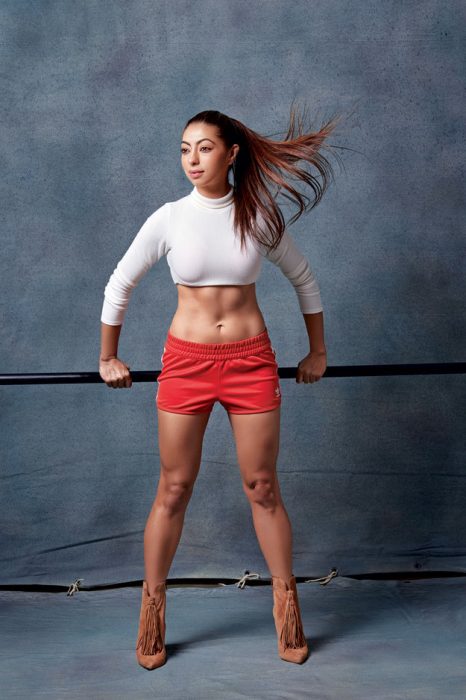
x=283, y=372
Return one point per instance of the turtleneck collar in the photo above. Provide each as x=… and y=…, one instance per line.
x=209, y=202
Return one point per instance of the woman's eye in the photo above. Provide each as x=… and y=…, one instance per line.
x=183, y=150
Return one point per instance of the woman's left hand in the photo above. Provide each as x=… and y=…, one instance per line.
x=311, y=367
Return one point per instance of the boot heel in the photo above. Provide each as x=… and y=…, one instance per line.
x=292, y=644
x=150, y=646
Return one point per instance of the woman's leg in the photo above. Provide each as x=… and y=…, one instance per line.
x=257, y=437
x=180, y=439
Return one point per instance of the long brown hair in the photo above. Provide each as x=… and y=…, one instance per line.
x=259, y=162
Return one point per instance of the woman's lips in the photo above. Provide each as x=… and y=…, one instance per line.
x=196, y=173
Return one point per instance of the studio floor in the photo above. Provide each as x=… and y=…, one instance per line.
x=368, y=639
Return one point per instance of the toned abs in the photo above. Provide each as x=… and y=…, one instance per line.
x=217, y=314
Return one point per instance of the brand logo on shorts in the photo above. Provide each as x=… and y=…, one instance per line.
x=277, y=391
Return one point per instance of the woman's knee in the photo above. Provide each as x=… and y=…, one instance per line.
x=263, y=491
x=180, y=449
x=173, y=494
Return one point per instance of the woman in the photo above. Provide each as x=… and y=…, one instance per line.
x=218, y=347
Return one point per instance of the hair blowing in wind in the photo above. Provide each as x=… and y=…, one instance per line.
x=263, y=164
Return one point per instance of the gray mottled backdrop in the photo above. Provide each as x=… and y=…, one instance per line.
x=94, y=96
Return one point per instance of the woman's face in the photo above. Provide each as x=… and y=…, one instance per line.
x=204, y=151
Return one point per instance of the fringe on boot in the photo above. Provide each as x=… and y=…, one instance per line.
x=150, y=646
x=292, y=644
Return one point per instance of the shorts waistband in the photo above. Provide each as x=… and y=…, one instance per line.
x=218, y=351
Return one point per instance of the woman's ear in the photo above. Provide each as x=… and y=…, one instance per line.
x=235, y=152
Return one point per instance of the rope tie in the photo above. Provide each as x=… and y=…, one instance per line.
x=151, y=638
x=292, y=635
x=323, y=580
x=73, y=587
x=241, y=583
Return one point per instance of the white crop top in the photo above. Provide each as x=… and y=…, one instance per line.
x=196, y=234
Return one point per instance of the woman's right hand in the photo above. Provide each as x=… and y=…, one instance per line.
x=115, y=373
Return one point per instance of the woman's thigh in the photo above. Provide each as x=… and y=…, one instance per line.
x=180, y=438
x=257, y=438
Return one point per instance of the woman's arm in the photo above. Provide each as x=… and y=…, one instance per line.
x=295, y=266
x=112, y=370
x=149, y=245
x=315, y=330
x=312, y=367
x=109, y=338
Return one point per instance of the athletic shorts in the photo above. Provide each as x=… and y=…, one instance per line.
x=242, y=376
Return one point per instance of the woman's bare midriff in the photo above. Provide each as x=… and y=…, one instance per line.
x=217, y=314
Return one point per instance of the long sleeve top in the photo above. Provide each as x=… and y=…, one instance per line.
x=197, y=236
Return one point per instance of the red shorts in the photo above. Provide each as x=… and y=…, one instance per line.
x=242, y=376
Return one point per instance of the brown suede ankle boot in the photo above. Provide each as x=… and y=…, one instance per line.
x=150, y=647
x=292, y=645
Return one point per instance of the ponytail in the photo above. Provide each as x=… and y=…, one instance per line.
x=259, y=165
